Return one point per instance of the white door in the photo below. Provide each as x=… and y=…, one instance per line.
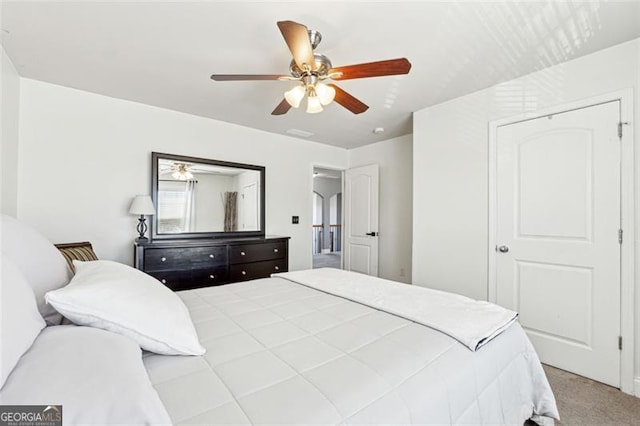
x=557, y=253
x=361, y=211
x=250, y=207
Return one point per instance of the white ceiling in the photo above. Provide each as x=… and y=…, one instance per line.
x=162, y=53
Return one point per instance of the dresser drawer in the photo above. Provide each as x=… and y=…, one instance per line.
x=257, y=252
x=175, y=280
x=163, y=259
x=208, y=277
x=187, y=279
x=252, y=271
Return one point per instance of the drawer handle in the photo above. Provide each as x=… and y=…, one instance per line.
x=277, y=268
x=242, y=253
x=163, y=259
x=211, y=256
x=164, y=281
x=244, y=272
x=275, y=250
x=213, y=277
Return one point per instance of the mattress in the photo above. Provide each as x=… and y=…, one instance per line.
x=282, y=353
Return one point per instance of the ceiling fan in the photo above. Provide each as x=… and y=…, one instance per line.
x=185, y=171
x=179, y=171
x=312, y=69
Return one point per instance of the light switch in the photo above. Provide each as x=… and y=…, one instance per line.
x=295, y=220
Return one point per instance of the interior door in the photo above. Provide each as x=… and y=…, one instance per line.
x=558, y=250
x=361, y=221
x=250, y=207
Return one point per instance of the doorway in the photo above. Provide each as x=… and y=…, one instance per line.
x=326, y=226
x=557, y=215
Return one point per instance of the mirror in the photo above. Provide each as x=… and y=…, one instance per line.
x=202, y=198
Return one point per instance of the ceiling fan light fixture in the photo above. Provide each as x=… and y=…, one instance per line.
x=182, y=176
x=182, y=172
x=310, y=68
x=314, y=105
x=325, y=93
x=295, y=95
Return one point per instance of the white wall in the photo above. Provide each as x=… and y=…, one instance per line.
x=450, y=161
x=84, y=156
x=335, y=209
x=394, y=158
x=636, y=237
x=317, y=209
x=9, y=118
x=209, y=205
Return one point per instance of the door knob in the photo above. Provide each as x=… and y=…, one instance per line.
x=503, y=249
x=372, y=234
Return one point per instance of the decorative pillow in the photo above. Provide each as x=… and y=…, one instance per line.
x=124, y=300
x=20, y=321
x=39, y=261
x=98, y=377
x=77, y=251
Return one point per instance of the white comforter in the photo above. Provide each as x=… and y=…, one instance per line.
x=471, y=322
x=282, y=353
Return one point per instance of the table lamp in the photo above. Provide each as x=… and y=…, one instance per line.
x=142, y=205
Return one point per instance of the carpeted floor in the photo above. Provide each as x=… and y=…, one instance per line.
x=326, y=260
x=584, y=402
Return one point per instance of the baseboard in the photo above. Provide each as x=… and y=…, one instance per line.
x=636, y=386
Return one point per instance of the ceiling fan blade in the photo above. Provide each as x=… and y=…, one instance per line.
x=373, y=69
x=297, y=38
x=348, y=101
x=241, y=77
x=282, y=108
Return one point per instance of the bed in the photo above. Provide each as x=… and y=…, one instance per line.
x=290, y=350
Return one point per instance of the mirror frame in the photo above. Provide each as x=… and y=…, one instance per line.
x=156, y=156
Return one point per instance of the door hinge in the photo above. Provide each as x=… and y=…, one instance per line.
x=620, y=342
x=620, y=124
x=619, y=236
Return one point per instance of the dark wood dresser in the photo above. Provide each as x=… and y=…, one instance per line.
x=186, y=264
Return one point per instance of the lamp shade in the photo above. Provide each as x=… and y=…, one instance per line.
x=295, y=95
x=313, y=105
x=325, y=93
x=142, y=204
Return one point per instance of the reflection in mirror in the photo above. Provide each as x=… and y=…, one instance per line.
x=195, y=197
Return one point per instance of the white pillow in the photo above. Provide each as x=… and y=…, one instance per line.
x=20, y=321
x=38, y=259
x=124, y=300
x=98, y=377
